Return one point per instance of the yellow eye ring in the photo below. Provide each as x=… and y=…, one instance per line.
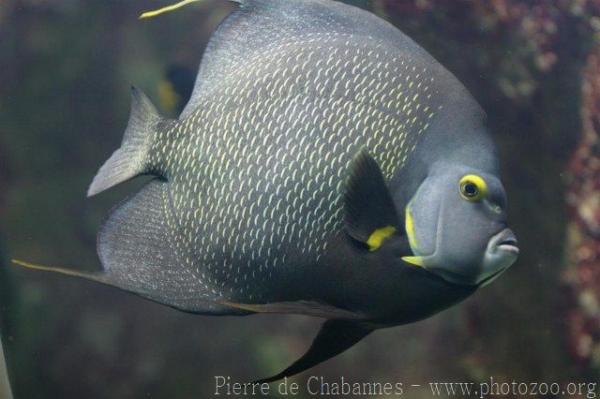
x=473, y=188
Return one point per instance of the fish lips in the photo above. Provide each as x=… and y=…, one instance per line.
x=505, y=241
x=501, y=252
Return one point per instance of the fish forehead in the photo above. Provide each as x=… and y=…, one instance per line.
x=258, y=169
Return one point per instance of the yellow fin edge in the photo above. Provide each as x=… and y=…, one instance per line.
x=377, y=238
x=169, y=8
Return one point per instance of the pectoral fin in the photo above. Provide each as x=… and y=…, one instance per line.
x=334, y=338
x=371, y=215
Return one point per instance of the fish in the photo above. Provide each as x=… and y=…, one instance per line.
x=325, y=165
x=175, y=89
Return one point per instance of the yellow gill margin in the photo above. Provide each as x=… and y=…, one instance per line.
x=409, y=225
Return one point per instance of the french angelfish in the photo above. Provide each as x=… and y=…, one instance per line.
x=325, y=165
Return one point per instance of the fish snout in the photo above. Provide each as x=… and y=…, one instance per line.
x=502, y=251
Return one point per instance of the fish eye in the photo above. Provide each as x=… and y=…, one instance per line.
x=472, y=188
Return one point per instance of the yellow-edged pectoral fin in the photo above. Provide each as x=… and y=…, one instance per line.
x=370, y=211
x=377, y=238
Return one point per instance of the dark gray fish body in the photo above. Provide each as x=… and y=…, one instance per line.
x=257, y=172
x=315, y=170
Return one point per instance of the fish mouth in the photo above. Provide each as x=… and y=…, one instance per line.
x=505, y=241
x=502, y=251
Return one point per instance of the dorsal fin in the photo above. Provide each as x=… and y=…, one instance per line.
x=261, y=24
x=173, y=7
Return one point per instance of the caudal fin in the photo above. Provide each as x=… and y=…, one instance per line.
x=131, y=159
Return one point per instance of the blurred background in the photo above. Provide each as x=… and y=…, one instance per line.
x=65, y=71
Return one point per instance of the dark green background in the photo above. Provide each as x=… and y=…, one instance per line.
x=65, y=72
